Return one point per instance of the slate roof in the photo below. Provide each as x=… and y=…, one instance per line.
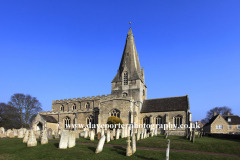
x=165, y=104
x=211, y=120
x=49, y=119
x=235, y=120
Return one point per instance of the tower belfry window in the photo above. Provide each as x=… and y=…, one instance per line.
x=125, y=78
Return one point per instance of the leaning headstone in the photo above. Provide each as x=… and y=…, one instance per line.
x=100, y=144
x=168, y=149
x=117, y=134
x=11, y=134
x=133, y=143
x=193, y=136
x=25, y=139
x=91, y=135
x=44, y=139
x=71, y=139
x=31, y=140
x=49, y=133
x=98, y=135
x=138, y=135
x=20, y=133
x=63, y=144
x=108, y=136
x=129, y=148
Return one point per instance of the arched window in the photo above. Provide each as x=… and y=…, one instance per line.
x=146, y=120
x=178, y=120
x=90, y=120
x=88, y=105
x=158, y=121
x=62, y=108
x=67, y=122
x=124, y=94
x=74, y=106
x=125, y=78
x=115, y=113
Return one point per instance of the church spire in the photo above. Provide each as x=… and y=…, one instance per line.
x=130, y=61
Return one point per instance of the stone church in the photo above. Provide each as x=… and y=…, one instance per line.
x=128, y=101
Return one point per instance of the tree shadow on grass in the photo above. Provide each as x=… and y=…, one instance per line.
x=92, y=148
x=142, y=157
x=56, y=145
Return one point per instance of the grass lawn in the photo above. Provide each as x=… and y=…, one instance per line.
x=15, y=149
x=206, y=144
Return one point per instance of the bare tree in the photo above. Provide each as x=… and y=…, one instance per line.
x=219, y=110
x=26, y=105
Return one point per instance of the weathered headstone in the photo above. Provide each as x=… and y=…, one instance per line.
x=142, y=135
x=117, y=134
x=100, y=144
x=168, y=150
x=99, y=135
x=156, y=129
x=193, y=136
x=123, y=132
x=133, y=143
x=114, y=132
x=49, y=133
x=102, y=132
x=129, y=148
x=82, y=133
x=20, y=133
x=8, y=132
x=111, y=135
x=72, y=139
x=91, y=135
x=31, y=139
x=56, y=135
x=44, y=139
x=86, y=134
x=108, y=136
x=190, y=136
x=37, y=136
x=25, y=139
x=138, y=134
x=63, y=144
x=11, y=134
x=15, y=132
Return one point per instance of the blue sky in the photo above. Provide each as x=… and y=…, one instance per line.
x=68, y=49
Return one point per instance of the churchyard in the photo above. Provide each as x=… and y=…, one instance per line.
x=85, y=146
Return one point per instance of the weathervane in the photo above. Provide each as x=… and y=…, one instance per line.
x=130, y=24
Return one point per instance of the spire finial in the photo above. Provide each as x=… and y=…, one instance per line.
x=130, y=24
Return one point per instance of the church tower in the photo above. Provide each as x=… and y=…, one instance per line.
x=130, y=80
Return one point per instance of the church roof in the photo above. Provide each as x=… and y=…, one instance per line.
x=130, y=61
x=49, y=118
x=165, y=104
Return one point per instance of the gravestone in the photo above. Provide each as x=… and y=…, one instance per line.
x=82, y=133
x=129, y=148
x=193, y=136
x=20, y=133
x=2, y=130
x=31, y=139
x=114, y=132
x=138, y=134
x=142, y=135
x=72, y=139
x=25, y=139
x=8, y=132
x=117, y=134
x=86, y=134
x=133, y=143
x=91, y=135
x=168, y=150
x=123, y=132
x=49, y=133
x=11, y=134
x=63, y=144
x=37, y=136
x=102, y=132
x=56, y=135
x=44, y=139
x=15, y=132
x=190, y=137
x=156, y=131
x=77, y=134
x=100, y=144
x=111, y=135
x=99, y=135
x=108, y=136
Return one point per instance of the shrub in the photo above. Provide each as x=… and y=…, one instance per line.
x=114, y=120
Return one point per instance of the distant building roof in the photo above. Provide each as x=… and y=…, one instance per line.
x=49, y=119
x=165, y=104
x=234, y=119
